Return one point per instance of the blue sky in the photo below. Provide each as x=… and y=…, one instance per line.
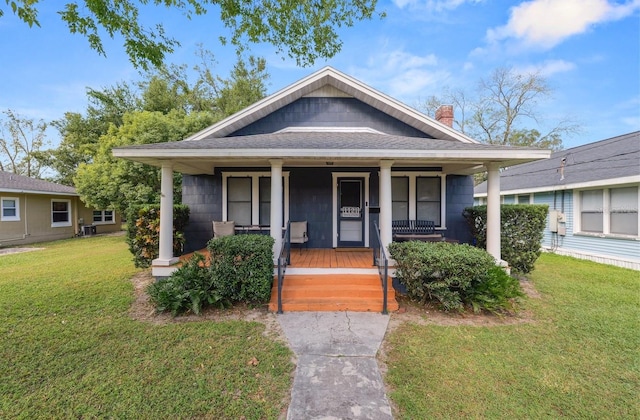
x=588, y=50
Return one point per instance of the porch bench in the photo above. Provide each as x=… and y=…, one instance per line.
x=415, y=230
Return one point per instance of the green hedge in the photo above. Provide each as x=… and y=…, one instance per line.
x=522, y=227
x=243, y=266
x=239, y=270
x=453, y=275
x=143, y=231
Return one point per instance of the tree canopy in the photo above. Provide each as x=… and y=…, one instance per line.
x=22, y=143
x=303, y=30
x=505, y=110
x=165, y=106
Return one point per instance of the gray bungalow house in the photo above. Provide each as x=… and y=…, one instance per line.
x=593, y=196
x=333, y=152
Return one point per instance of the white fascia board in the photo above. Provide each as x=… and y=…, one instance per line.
x=282, y=94
x=399, y=106
x=612, y=182
x=341, y=81
x=17, y=191
x=485, y=155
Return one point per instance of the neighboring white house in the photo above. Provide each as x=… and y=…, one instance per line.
x=593, y=198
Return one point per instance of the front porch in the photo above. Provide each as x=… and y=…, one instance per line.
x=331, y=279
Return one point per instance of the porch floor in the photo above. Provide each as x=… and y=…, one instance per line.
x=319, y=258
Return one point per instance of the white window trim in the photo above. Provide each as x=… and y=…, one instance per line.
x=102, y=221
x=606, y=208
x=15, y=218
x=70, y=211
x=255, y=193
x=412, y=193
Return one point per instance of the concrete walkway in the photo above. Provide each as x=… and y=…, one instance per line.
x=337, y=376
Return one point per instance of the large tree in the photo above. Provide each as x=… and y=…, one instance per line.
x=164, y=90
x=167, y=107
x=22, y=141
x=111, y=183
x=304, y=30
x=505, y=110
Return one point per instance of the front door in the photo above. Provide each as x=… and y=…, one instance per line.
x=350, y=212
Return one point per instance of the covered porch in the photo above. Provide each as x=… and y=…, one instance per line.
x=330, y=279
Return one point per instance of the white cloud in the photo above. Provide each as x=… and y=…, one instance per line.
x=546, y=23
x=402, y=75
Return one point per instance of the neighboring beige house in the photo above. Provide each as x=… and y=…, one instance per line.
x=33, y=210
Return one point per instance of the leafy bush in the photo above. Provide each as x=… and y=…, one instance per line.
x=522, y=227
x=496, y=292
x=190, y=288
x=439, y=270
x=454, y=275
x=243, y=266
x=143, y=232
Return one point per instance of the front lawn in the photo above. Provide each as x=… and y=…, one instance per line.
x=579, y=358
x=69, y=348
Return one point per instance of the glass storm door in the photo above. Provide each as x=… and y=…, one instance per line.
x=350, y=212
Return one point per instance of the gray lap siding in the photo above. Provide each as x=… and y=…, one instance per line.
x=311, y=199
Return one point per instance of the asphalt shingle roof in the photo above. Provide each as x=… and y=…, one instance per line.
x=12, y=182
x=319, y=141
x=612, y=158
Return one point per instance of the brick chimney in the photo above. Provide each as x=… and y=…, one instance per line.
x=444, y=115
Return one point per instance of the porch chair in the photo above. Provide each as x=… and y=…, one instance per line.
x=299, y=234
x=221, y=229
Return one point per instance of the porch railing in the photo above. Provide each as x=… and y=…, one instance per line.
x=284, y=259
x=381, y=260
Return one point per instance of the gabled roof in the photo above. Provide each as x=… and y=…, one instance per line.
x=219, y=146
x=12, y=183
x=329, y=76
x=606, y=162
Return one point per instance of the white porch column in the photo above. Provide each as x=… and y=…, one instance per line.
x=493, y=210
x=165, y=254
x=276, y=207
x=386, y=234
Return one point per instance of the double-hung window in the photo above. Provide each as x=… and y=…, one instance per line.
x=60, y=213
x=10, y=209
x=623, y=214
x=247, y=198
x=103, y=217
x=428, y=199
x=609, y=211
x=400, y=198
x=418, y=196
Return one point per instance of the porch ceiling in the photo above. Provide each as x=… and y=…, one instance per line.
x=327, y=149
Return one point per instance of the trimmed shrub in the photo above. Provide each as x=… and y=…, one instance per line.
x=190, y=288
x=453, y=276
x=439, y=271
x=522, y=227
x=143, y=232
x=242, y=267
x=496, y=292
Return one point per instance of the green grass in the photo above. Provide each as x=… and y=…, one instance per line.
x=68, y=348
x=580, y=358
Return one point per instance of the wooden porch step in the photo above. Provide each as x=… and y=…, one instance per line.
x=332, y=292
